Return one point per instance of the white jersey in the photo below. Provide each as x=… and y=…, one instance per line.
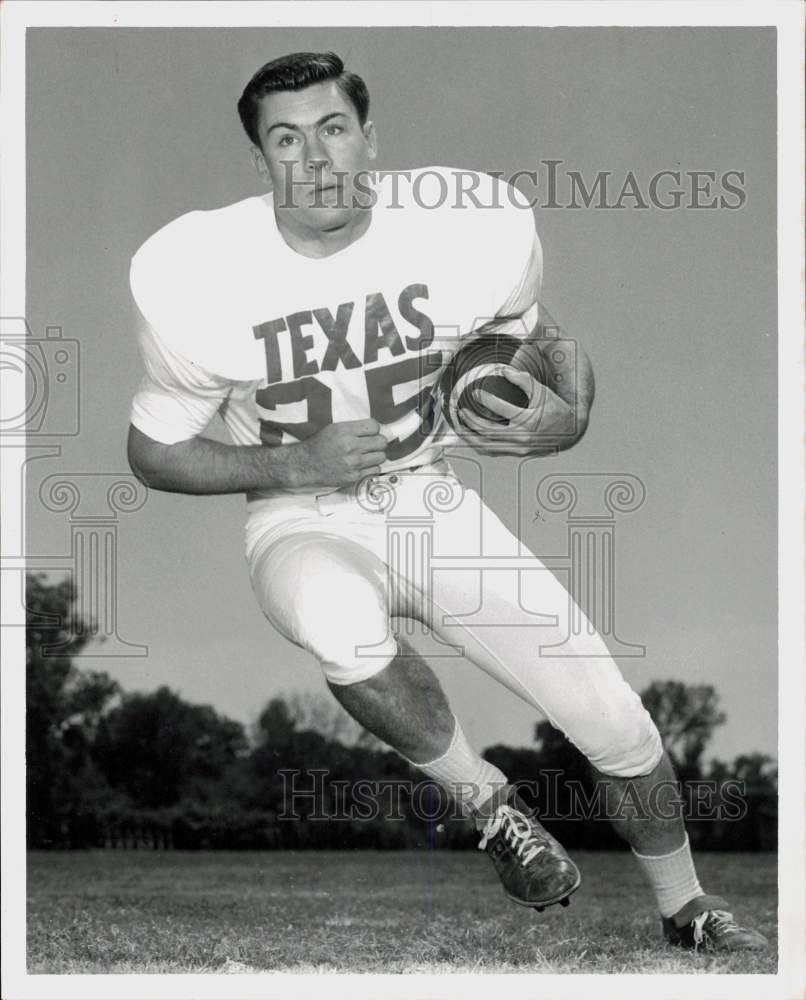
x=236, y=322
x=280, y=344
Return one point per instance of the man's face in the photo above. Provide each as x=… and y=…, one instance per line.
x=311, y=148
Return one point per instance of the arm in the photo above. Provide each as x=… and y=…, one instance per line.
x=570, y=377
x=569, y=371
x=176, y=401
x=337, y=455
x=557, y=413
x=201, y=466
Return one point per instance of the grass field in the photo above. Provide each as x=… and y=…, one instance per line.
x=416, y=911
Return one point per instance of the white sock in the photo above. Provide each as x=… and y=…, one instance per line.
x=470, y=779
x=672, y=877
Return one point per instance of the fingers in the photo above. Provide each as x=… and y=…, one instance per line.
x=362, y=428
x=518, y=425
x=534, y=390
x=373, y=458
x=500, y=448
x=375, y=443
x=478, y=425
x=522, y=379
x=496, y=404
x=489, y=438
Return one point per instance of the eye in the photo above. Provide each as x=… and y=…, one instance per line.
x=333, y=129
x=285, y=140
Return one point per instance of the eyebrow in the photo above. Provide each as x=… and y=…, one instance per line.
x=296, y=128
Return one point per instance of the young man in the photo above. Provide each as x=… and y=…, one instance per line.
x=310, y=318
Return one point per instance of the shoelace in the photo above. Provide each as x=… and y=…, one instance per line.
x=721, y=921
x=516, y=829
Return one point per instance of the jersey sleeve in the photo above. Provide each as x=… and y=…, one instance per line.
x=176, y=399
x=178, y=396
x=501, y=255
x=519, y=269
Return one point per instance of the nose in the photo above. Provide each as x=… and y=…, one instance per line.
x=316, y=157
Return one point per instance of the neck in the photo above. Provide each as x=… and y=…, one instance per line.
x=312, y=242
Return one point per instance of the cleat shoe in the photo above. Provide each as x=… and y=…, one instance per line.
x=705, y=923
x=532, y=865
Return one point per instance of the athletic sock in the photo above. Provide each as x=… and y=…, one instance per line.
x=472, y=781
x=672, y=877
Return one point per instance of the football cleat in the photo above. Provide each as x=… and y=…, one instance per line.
x=532, y=865
x=705, y=923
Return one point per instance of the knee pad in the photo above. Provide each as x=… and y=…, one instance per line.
x=636, y=747
x=329, y=596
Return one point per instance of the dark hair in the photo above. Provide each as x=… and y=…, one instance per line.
x=296, y=72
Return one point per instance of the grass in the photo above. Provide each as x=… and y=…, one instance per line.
x=162, y=912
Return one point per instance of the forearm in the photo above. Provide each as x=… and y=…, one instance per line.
x=339, y=454
x=570, y=376
x=558, y=425
x=202, y=466
x=563, y=405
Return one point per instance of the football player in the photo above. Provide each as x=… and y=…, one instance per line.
x=313, y=319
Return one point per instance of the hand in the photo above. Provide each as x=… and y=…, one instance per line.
x=542, y=427
x=340, y=454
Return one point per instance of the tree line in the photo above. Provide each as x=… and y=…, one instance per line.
x=117, y=769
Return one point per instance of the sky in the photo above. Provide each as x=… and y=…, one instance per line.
x=129, y=128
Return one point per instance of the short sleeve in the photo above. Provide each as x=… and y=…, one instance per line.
x=523, y=299
x=176, y=399
x=188, y=282
x=514, y=256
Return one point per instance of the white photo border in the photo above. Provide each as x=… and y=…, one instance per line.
x=787, y=17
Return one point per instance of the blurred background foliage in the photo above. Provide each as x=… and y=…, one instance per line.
x=116, y=769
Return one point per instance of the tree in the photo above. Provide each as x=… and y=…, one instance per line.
x=275, y=726
x=570, y=793
x=324, y=715
x=64, y=707
x=746, y=795
x=686, y=715
x=758, y=771
x=159, y=749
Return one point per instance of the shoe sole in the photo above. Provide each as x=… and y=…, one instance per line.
x=564, y=898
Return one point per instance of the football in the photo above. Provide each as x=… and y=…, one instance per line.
x=479, y=365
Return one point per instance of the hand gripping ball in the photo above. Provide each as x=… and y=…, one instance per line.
x=479, y=365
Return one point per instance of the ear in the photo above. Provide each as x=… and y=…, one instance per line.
x=259, y=161
x=371, y=139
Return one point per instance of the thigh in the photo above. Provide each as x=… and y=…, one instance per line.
x=328, y=595
x=509, y=623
